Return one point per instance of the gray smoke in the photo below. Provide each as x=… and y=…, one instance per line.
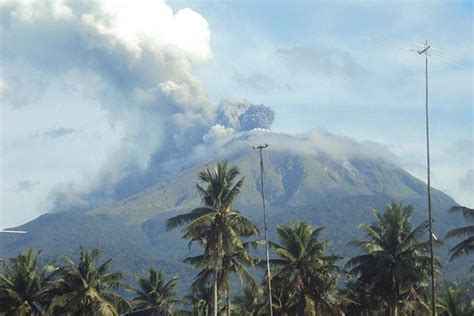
x=244, y=116
x=257, y=116
x=137, y=61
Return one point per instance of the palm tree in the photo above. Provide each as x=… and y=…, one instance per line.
x=23, y=285
x=199, y=299
x=232, y=263
x=250, y=302
x=456, y=299
x=395, y=263
x=466, y=245
x=156, y=292
x=87, y=289
x=305, y=273
x=216, y=226
x=361, y=299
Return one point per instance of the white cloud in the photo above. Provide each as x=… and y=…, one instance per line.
x=218, y=134
x=121, y=72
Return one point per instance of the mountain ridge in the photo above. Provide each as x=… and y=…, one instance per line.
x=300, y=183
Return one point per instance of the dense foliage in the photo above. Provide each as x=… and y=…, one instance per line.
x=305, y=274
x=22, y=285
x=394, y=268
x=155, y=292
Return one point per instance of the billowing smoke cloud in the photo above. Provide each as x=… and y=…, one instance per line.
x=137, y=59
x=257, y=116
x=244, y=116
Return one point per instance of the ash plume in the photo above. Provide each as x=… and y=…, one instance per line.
x=136, y=59
x=244, y=116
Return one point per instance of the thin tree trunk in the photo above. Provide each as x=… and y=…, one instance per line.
x=301, y=307
x=228, y=305
x=394, y=310
x=395, y=307
x=215, y=307
x=220, y=255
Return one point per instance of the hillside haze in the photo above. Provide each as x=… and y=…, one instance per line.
x=320, y=178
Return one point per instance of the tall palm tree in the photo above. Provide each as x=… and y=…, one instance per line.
x=216, y=226
x=87, y=288
x=395, y=263
x=305, y=272
x=232, y=263
x=23, y=285
x=465, y=246
x=156, y=292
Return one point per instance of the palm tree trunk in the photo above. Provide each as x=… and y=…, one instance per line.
x=215, y=307
x=394, y=310
x=227, y=305
x=395, y=306
x=301, y=307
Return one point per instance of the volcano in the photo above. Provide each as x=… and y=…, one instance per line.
x=321, y=178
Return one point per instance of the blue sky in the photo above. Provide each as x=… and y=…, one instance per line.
x=75, y=94
x=378, y=92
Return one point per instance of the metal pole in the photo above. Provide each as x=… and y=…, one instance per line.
x=269, y=276
x=426, y=48
x=430, y=220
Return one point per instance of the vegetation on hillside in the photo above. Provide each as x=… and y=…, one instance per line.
x=388, y=276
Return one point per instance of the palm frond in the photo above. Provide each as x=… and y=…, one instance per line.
x=466, y=231
x=462, y=248
x=188, y=217
x=467, y=212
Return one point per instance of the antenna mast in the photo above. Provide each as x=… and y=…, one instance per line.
x=269, y=276
x=425, y=50
x=428, y=182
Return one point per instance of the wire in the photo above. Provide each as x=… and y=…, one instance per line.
x=447, y=61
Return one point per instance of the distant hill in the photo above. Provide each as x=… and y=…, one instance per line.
x=334, y=188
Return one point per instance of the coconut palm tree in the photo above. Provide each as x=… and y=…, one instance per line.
x=456, y=299
x=156, y=292
x=87, y=288
x=199, y=298
x=305, y=274
x=467, y=245
x=216, y=226
x=232, y=263
x=250, y=302
x=395, y=263
x=23, y=285
x=362, y=300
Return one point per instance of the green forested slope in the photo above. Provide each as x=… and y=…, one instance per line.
x=314, y=187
